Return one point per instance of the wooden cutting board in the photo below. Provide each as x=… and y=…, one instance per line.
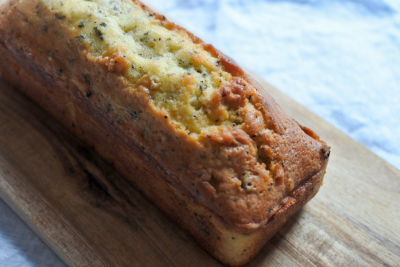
x=90, y=216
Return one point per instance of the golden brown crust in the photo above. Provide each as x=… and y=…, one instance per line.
x=279, y=122
x=278, y=119
x=207, y=228
x=232, y=232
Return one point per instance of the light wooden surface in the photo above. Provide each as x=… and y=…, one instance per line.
x=90, y=216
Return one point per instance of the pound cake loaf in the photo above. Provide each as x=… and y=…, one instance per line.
x=215, y=151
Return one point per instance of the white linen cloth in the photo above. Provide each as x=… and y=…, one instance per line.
x=339, y=58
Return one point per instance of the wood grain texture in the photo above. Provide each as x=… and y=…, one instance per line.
x=90, y=216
